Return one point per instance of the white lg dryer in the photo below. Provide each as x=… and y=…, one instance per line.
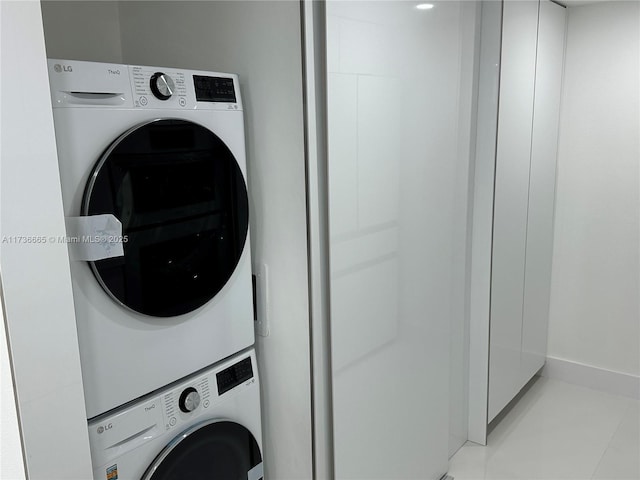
x=162, y=152
x=205, y=427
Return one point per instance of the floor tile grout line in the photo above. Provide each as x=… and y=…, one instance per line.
x=615, y=430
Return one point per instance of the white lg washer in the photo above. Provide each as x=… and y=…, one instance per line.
x=205, y=427
x=162, y=151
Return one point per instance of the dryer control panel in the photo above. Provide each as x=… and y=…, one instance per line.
x=77, y=83
x=160, y=87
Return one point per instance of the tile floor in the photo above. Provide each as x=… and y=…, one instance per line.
x=558, y=431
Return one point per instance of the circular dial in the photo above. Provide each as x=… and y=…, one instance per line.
x=189, y=400
x=162, y=85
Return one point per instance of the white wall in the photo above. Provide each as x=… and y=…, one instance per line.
x=595, y=296
x=11, y=458
x=36, y=283
x=82, y=30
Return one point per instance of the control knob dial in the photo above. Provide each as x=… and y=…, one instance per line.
x=189, y=400
x=162, y=86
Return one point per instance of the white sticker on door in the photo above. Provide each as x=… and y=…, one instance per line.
x=94, y=237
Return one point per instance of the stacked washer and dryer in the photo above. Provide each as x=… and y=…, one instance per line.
x=163, y=300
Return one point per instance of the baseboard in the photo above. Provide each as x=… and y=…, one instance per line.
x=609, y=381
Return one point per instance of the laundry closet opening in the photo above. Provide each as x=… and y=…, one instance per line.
x=217, y=36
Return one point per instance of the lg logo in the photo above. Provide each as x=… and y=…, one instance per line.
x=102, y=429
x=62, y=68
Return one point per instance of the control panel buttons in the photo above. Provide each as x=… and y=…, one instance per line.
x=162, y=85
x=234, y=375
x=189, y=400
x=214, y=89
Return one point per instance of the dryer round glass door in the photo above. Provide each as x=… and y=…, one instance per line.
x=182, y=200
x=224, y=450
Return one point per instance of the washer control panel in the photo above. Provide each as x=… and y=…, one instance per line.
x=196, y=396
x=127, y=428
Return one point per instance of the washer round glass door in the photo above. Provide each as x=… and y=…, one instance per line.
x=224, y=450
x=182, y=201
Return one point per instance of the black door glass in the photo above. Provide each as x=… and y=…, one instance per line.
x=182, y=201
x=223, y=450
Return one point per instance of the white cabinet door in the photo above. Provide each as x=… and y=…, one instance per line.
x=399, y=121
x=530, y=83
x=515, y=118
x=546, y=116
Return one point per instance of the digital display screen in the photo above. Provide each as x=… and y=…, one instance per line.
x=234, y=375
x=214, y=89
